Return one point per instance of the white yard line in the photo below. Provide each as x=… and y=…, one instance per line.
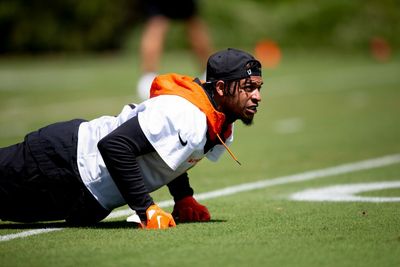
x=289, y=125
x=28, y=233
x=347, y=193
x=305, y=176
x=321, y=173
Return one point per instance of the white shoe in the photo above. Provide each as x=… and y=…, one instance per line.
x=203, y=76
x=144, y=84
x=133, y=218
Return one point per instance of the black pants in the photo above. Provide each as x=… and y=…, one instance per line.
x=40, y=181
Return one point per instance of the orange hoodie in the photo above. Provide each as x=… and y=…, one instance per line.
x=184, y=86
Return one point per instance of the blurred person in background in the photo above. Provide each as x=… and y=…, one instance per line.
x=160, y=13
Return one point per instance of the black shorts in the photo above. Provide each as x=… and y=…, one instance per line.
x=40, y=181
x=172, y=9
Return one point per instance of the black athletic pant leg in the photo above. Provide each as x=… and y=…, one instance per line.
x=39, y=179
x=26, y=195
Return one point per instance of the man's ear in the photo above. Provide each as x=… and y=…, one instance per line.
x=219, y=87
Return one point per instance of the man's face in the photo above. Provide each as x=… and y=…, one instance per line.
x=243, y=104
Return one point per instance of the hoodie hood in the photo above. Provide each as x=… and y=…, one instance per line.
x=184, y=86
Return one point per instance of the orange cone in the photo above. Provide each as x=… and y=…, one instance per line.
x=380, y=49
x=268, y=53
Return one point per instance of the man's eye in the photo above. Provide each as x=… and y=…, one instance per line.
x=249, y=88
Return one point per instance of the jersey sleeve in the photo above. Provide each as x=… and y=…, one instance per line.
x=216, y=152
x=119, y=150
x=174, y=127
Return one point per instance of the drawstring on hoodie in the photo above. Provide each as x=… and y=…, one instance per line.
x=227, y=149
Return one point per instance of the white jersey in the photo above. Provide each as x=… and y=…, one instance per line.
x=175, y=128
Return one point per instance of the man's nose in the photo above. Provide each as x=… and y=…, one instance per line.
x=256, y=95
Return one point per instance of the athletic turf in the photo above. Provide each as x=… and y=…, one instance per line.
x=319, y=110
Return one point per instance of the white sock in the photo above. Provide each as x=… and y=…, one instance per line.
x=203, y=76
x=144, y=84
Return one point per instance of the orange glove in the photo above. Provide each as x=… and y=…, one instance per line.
x=157, y=218
x=189, y=210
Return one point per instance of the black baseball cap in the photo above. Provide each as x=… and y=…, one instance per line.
x=232, y=64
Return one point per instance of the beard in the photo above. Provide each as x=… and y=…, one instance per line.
x=247, y=121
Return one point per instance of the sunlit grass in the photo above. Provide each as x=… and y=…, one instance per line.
x=316, y=112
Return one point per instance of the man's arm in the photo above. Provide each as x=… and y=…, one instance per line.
x=180, y=187
x=186, y=208
x=119, y=150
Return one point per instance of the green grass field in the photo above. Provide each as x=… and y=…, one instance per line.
x=319, y=110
